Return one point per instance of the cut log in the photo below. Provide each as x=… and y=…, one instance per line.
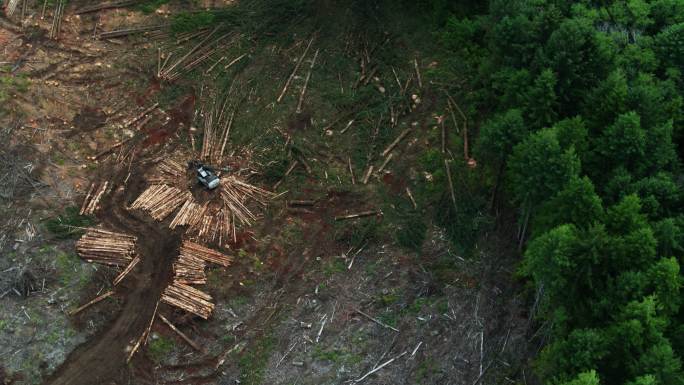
x=180, y=333
x=127, y=270
x=94, y=301
x=358, y=215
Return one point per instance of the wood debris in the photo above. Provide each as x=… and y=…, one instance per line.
x=192, y=251
x=90, y=203
x=11, y=7
x=180, y=333
x=217, y=125
x=57, y=18
x=127, y=270
x=306, y=83
x=396, y=141
x=160, y=200
x=294, y=71
x=358, y=215
x=197, y=55
x=130, y=31
x=103, y=6
x=94, y=301
x=106, y=247
x=189, y=299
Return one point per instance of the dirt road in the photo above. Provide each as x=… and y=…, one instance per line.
x=102, y=358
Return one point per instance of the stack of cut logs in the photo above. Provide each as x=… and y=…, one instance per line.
x=214, y=228
x=169, y=172
x=189, y=299
x=190, y=214
x=90, y=203
x=106, y=247
x=204, y=253
x=235, y=193
x=161, y=200
x=189, y=270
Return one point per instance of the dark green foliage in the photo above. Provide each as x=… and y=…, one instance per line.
x=191, y=21
x=577, y=203
x=149, y=6
x=670, y=46
x=501, y=133
x=69, y=224
x=583, y=104
x=580, y=58
x=539, y=167
x=584, y=378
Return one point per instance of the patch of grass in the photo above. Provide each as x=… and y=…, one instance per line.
x=69, y=270
x=238, y=301
x=66, y=225
x=389, y=317
x=417, y=306
x=253, y=361
x=187, y=21
x=336, y=356
x=358, y=232
x=53, y=337
x=389, y=299
x=10, y=85
x=159, y=348
x=425, y=369
x=334, y=266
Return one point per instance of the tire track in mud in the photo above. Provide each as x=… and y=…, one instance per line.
x=101, y=359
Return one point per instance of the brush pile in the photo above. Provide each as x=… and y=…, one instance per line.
x=90, y=203
x=106, y=247
x=188, y=298
x=160, y=200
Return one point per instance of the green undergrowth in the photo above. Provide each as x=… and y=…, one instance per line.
x=69, y=224
x=159, y=348
x=253, y=362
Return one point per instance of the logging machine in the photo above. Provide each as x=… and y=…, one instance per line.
x=205, y=175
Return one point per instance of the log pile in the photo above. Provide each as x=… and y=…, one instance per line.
x=195, y=250
x=235, y=193
x=190, y=214
x=106, y=247
x=90, y=203
x=218, y=228
x=169, y=172
x=161, y=200
x=189, y=299
x=189, y=269
x=217, y=124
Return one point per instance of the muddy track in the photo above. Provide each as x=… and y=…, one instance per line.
x=102, y=359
